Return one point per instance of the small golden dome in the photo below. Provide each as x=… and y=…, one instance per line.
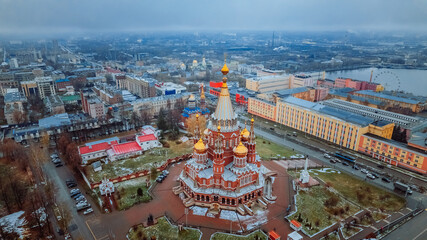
x=245, y=133
x=252, y=120
x=197, y=115
x=224, y=69
x=219, y=128
x=240, y=149
x=200, y=146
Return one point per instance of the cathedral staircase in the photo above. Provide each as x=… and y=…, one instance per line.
x=248, y=210
x=262, y=203
x=188, y=202
x=177, y=190
x=241, y=210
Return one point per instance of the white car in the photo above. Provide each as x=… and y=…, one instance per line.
x=327, y=156
x=364, y=171
x=87, y=211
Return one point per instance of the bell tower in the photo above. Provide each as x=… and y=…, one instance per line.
x=218, y=161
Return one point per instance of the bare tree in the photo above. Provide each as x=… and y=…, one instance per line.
x=191, y=123
x=66, y=216
x=19, y=117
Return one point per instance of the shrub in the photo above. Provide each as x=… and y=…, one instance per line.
x=332, y=201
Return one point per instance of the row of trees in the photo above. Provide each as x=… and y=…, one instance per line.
x=70, y=152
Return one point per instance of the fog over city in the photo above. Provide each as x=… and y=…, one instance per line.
x=81, y=16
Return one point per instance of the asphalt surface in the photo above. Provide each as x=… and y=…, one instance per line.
x=414, y=229
x=77, y=227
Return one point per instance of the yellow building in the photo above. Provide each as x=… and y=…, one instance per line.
x=268, y=83
x=394, y=153
x=415, y=105
x=331, y=124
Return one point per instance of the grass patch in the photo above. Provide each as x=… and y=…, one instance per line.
x=127, y=193
x=362, y=192
x=331, y=236
x=258, y=235
x=348, y=232
x=145, y=161
x=319, y=208
x=162, y=230
x=267, y=149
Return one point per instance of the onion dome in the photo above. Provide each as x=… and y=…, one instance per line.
x=200, y=146
x=245, y=134
x=206, y=132
x=191, y=98
x=252, y=120
x=240, y=150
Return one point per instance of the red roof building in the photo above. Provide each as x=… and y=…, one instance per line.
x=126, y=148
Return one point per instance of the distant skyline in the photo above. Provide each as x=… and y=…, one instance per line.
x=56, y=17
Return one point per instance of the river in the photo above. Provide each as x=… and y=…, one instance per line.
x=407, y=80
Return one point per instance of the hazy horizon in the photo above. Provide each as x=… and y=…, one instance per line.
x=52, y=17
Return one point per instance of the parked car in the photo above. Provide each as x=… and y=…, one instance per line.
x=80, y=198
x=327, y=156
x=356, y=167
x=160, y=179
x=364, y=171
x=375, y=174
x=74, y=190
x=71, y=185
x=59, y=164
x=345, y=163
x=370, y=176
x=56, y=160
x=87, y=211
x=385, y=179
x=165, y=172
x=77, y=195
x=332, y=161
x=380, y=166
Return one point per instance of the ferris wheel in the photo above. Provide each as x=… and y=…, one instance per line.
x=389, y=80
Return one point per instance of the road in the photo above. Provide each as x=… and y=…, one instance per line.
x=77, y=227
x=415, y=229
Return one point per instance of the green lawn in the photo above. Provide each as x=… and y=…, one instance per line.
x=267, y=149
x=163, y=230
x=128, y=190
x=314, y=215
x=127, y=166
x=362, y=192
x=258, y=235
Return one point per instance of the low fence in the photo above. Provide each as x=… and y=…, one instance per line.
x=144, y=172
x=392, y=224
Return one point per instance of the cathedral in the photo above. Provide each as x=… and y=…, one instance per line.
x=193, y=109
x=224, y=172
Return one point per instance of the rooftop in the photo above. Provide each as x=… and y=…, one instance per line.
x=57, y=120
x=11, y=97
x=126, y=147
x=386, y=96
x=287, y=92
x=419, y=139
x=103, y=146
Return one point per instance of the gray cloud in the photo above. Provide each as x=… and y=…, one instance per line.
x=62, y=16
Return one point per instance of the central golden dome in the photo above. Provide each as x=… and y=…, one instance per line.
x=240, y=149
x=200, y=146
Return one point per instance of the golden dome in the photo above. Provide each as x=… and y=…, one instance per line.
x=200, y=146
x=219, y=128
x=245, y=133
x=252, y=120
x=240, y=149
x=197, y=115
x=224, y=69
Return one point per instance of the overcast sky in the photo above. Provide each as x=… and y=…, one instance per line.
x=64, y=16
